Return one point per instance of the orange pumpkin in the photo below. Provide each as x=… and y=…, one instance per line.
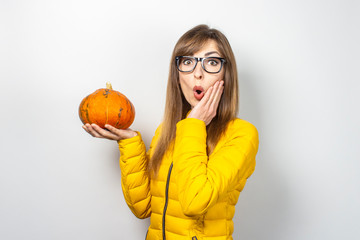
x=107, y=106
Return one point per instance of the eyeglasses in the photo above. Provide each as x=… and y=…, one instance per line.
x=209, y=64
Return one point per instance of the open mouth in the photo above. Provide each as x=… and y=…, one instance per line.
x=198, y=92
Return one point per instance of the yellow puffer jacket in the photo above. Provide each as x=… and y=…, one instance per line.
x=194, y=195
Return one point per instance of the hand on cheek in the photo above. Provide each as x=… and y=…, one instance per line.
x=206, y=109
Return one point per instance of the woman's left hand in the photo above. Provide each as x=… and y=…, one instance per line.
x=206, y=109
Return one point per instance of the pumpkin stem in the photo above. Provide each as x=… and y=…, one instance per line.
x=108, y=85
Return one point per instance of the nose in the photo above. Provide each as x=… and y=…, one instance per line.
x=198, y=71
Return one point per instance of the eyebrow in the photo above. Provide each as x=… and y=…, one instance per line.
x=209, y=53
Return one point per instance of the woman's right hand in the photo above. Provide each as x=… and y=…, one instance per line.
x=111, y=133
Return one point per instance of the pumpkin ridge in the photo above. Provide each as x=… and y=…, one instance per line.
x=87, y=112
x=88, y=108
x=85, y=109
x=119, y=117
x=107, y=108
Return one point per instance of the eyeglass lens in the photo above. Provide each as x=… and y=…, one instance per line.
x=187, y=64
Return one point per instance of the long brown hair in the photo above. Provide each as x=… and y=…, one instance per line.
x=177, y=107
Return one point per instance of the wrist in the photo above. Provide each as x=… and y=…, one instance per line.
x=130, y=135
x=133, y=134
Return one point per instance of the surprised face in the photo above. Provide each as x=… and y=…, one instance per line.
x=194, y=84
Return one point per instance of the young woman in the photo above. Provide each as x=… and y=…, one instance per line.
x=198, y=162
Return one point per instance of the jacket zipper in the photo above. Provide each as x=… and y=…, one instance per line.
x=166, y=200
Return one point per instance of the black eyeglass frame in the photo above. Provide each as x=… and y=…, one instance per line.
x=198, y=59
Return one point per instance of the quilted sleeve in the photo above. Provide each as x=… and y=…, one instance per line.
x=135, y=181
x=202, y=181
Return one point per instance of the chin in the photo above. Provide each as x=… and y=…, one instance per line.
x=194, y=103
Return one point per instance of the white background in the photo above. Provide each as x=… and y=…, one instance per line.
x=299, y=76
